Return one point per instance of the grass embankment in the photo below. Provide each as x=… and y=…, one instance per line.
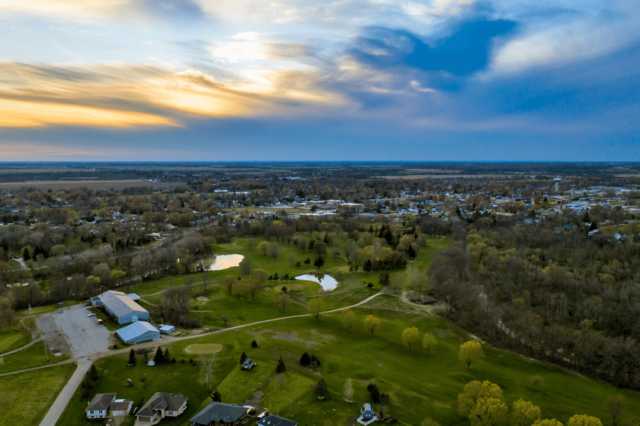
x=26, y=397
x=13, y=338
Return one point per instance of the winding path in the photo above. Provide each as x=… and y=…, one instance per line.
x=84, y=364
x=21, y=348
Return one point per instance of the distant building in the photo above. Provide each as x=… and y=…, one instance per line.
x=270, y=420
x=219, y=413
x=167, y=329
x=121, y=307
x=98, y=407
x=138, y=332
x=160, y=406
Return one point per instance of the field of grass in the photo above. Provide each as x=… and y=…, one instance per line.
x=33, y=356
x=428, y=383
x=13, y=338
x=26, y=397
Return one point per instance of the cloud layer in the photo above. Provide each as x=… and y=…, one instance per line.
x=422, y=73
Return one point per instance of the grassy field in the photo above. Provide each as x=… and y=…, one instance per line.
x=419, y=384
x=13, y=338
x=428, y=383
x=33, y=356
x=26, y=397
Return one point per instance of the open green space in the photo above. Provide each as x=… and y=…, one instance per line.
x=33, y=356
x=13, y=338
x=428, y=383
x=27, y=396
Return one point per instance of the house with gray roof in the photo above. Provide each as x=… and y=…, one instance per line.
x=220, y=413
x=160, y=406
x=122, y=308
x=98, y=407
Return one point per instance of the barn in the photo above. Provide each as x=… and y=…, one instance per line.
x=121, y=307
x=138, y=332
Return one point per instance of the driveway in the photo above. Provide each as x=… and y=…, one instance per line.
x=82, y=333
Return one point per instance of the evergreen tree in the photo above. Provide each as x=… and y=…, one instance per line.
x=281, y=368
x=132, y=358
x=243, y=358
x=305, y=360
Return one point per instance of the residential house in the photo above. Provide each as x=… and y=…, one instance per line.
x=219, y=413
x=98, y=407
x=121, y=407
x=160, y=406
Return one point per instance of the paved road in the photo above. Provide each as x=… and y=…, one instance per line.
x=65, y=395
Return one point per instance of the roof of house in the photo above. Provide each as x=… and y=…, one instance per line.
x=102, y=401
x=121, y=404
x=219, y=412
x=120, y=304
x=276, y=421
x=162, y=401
x=134, y=330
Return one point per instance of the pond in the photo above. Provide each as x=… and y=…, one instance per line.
x=327, y=282
x=226, y=261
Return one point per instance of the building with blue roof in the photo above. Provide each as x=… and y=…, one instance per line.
x=138, y=332
x=121, y=307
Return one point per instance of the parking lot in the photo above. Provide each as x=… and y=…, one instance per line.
x=82, y=333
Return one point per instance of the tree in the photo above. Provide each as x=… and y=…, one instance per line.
x=132, y=358
x=348, y=319
x=245, y=267
x=305, y=360
x=158, y=358
x=347, y=393
x=615, y=405
x=216, y=397
x=254, y=344
x=281, y=368
x=489, y=412
x=584, y=420
x=319, y=262
x=321, y=390
x=372, y=323
x=429, y=342
x=374, y=393
x=243, y=358
x=470, y=352
x=7, y=313
x=473, y=392
x=315, y=307
x=410, y=337
x=547, y=422
x=228, y=283
x=524, y=413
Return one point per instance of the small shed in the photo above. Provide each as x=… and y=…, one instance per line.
x=138, y=332
x=167, y=328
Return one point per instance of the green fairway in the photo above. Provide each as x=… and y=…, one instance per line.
x=26, y=397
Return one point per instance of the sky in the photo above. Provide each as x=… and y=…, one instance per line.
x=227, y=80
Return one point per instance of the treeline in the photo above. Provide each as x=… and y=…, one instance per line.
x=550, y=291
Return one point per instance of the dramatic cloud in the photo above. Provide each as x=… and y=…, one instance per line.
x=191, y=78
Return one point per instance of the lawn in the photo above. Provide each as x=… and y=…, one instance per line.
x=26, y=397
x=33, y=356
x=428, y=383
x=13, y=338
